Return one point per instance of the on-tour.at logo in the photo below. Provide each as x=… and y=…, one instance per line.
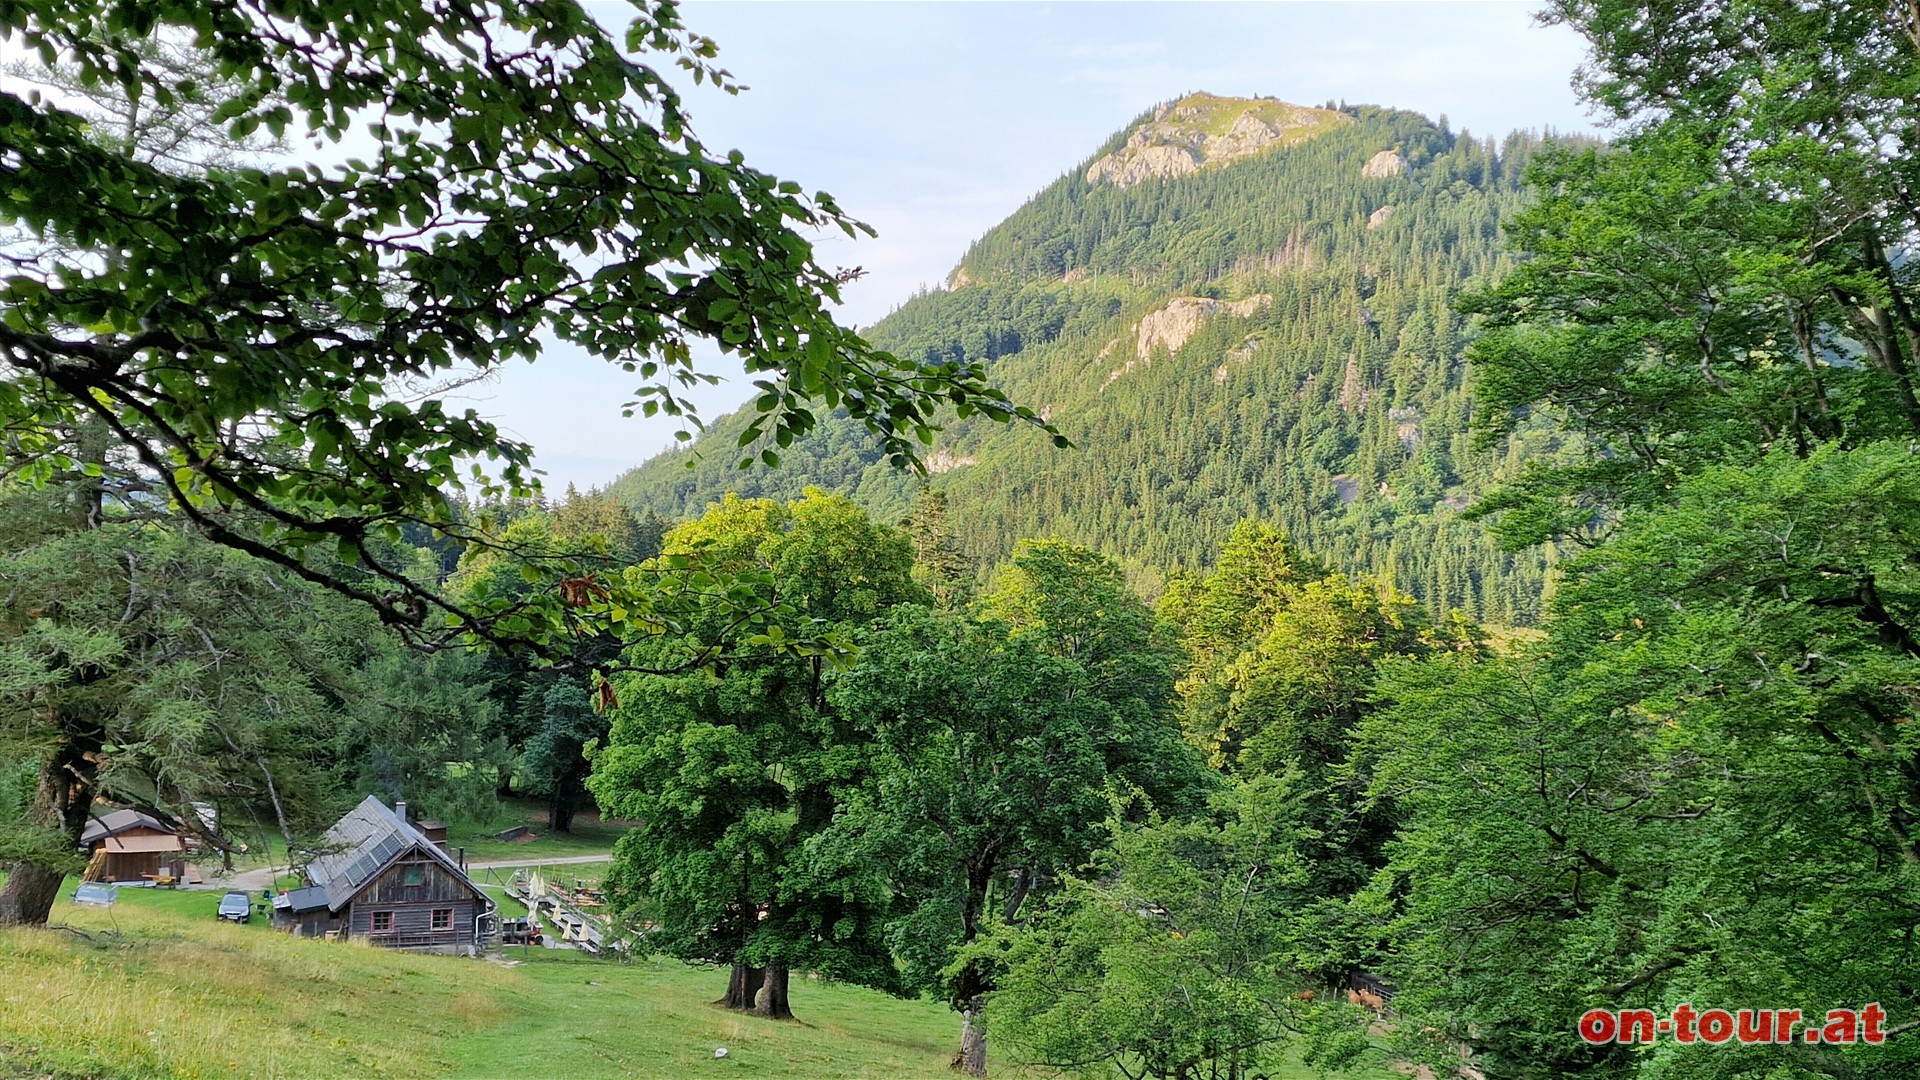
x=1749, y=1027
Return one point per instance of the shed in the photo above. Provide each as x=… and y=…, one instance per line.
x=384, y=881
x=127, y=845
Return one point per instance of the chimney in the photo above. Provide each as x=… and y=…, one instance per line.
x=400, y=809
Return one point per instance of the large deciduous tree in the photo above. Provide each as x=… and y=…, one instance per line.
x=1700, y=787
x=1736, y=272
x=996, y=737
x=735, y=771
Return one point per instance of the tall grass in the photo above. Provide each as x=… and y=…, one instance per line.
x=150, y=994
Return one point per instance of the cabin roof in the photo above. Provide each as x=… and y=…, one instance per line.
x=312, y=898
x=364, y=842
x=114, y=822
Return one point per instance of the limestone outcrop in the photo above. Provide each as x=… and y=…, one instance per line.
x=1171, y=326
x=1385, y=165
x=1181, y=318
x=1201, y=130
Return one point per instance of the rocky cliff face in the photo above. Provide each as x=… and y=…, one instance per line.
x=1201, y=130
x=1384, y=165
x=1173, y=325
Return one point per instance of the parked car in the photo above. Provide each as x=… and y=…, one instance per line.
x=236, y=906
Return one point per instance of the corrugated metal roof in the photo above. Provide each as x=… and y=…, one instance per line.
x=299, y=900
x=368, y=838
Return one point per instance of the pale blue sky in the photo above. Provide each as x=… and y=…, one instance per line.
x=933, y=121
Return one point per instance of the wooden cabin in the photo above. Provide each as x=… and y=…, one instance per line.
x=384, y=881
x=127, y=845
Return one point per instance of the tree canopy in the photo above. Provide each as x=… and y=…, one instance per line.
x=1699, y=784
x=248, y=333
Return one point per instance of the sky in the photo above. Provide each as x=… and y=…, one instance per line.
x=934, y=121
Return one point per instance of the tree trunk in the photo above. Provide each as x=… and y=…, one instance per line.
x=64, y=794
x=27, y=897
x=560, y=810
x=742, y=987
x=62, y=801
x=969, y=990
x=972, y=1058
x=772, y=1003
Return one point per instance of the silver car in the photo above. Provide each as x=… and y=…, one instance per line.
x=236, y=906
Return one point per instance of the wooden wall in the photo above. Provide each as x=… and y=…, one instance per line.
x=413, y=906
x=110, y=865
x=308, y=923
x=413, y=924
x=435, y=884
x=134, y=865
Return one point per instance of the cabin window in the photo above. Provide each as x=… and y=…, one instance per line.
x=443, y=918
x=383, y=922
x=413, y=875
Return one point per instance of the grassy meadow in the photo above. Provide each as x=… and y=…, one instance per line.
x=589, y=836
x=155, y=987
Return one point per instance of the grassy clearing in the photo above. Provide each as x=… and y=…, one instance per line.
x=590, y=835
x=589, y=875
x=509, y=907
x=581, y=1017
x=160, y=988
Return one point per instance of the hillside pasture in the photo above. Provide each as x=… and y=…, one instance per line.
x=155, y=987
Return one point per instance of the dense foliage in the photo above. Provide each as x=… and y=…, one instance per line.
x=1170, y=957
x=733, y=771
x=1700, y=785
x=259, y=340
x=1698, y=788
x=196, y=334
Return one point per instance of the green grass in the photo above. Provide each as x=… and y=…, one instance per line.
x=564, y=875
x=158, y=988
x=580, y=1017
x=184, y=903
x=509, y=907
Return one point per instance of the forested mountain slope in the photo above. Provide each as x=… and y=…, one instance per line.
x=1235, y=308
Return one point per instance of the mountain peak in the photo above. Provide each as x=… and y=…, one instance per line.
x=1181, y=137
x=1261, y=339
